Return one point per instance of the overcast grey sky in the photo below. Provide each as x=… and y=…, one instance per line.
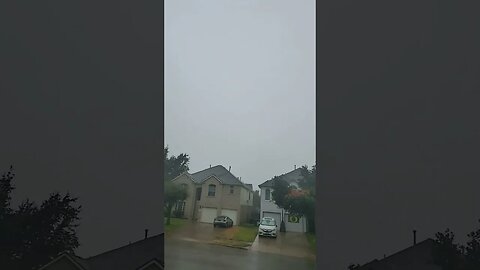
x=240, y=84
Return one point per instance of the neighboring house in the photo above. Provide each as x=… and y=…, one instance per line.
x=213, y=192
x=268, y=208
x=146, y=254
x=416, y=257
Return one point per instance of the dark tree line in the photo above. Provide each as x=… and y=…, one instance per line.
x=31, y=235
x=453, y=256
x=173, y=167
x=450, y=255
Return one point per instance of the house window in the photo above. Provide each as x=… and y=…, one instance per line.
x=267, y=194
x=231, y=189
x=184, y=186
x=249, y=193
x=211, y=190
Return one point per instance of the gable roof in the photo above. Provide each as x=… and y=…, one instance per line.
x=82, y=262
x=419, y=254
x=76, y=261
x=132, y=256
x=224, y=175
x=189, y=176
x=154, y=262
x=290, y=177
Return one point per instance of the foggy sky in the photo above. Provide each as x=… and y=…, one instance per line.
x=240, y=85
x=81, y=106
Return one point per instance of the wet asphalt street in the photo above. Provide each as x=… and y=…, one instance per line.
x=184, y=255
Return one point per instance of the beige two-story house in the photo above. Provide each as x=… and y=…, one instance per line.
x=213, y=192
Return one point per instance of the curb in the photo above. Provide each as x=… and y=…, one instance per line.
x=230, y=246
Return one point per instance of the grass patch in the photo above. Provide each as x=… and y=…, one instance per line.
x=245, y=233
x=312, y=241
x=175, y=224
x=240, y=236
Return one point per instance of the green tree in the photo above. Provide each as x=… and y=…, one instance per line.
x=280, y=191
x=173, y=166
x=173, y=194
x=308, y=183
x=295, y=202
x=302, y=204
x=31, y=236
x=446, y=253
x=472, y=250
x=309, y=180
x=279, y=195
x=255, y=216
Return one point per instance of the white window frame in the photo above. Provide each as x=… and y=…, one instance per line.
x=214, y=190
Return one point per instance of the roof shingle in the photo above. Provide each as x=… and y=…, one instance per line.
x=225, y=176
x=290, y=177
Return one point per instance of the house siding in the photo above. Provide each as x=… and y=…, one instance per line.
x=238, y=200
x=211, y=201
x=244, y=196
x=268, y=205
x=191, y=191
x=230, y=201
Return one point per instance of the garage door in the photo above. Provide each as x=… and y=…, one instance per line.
x=274, y=215
x=208, y=215
x=231, y=214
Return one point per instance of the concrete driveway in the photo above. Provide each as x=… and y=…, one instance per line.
x=197, y=232
x=287, y=244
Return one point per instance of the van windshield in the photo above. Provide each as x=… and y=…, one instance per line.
x=268, y=222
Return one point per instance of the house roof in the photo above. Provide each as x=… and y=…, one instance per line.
x=150, y=263
x=78, y=262
x=290, y=177
x=132, y=256
x=224, y=175
x=421, y=253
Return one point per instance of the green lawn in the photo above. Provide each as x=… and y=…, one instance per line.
x=239, y=236
x=312, y=241
x=175, y=223
x=246, y=233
